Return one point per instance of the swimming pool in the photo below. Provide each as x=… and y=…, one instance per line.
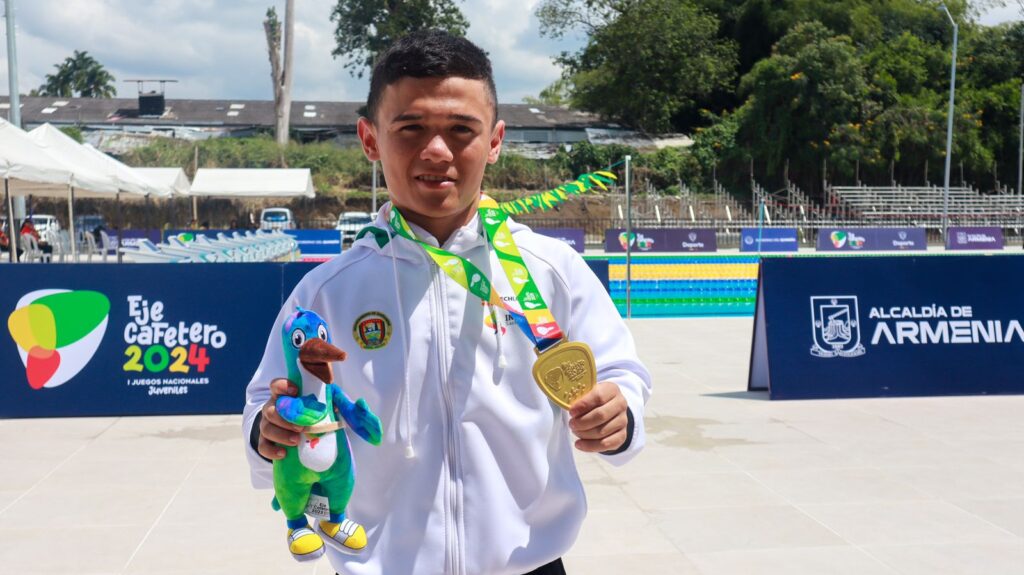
x=686, y=286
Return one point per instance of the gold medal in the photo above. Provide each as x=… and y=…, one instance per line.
x=566, y=372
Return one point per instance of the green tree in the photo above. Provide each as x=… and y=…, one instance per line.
x=811, y=83
x=648, y=66
x=365, y=28
x=558, y=17
x=906, y=65
x=558, y=93
x=78, y=75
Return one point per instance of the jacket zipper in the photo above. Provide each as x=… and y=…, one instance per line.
x=451, y=485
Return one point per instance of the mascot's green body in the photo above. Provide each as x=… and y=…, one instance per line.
x=322, y=462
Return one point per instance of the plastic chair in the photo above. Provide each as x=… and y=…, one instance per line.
x=105, y=245
x=30, y=249
x=89, y=246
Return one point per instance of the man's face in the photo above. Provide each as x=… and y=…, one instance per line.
x=433, y=137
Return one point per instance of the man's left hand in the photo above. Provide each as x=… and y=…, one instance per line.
x=599, y=419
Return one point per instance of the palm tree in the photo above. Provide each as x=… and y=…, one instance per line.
x=81, y=75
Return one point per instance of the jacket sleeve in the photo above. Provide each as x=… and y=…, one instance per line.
x=596, y=322
x=258, y=392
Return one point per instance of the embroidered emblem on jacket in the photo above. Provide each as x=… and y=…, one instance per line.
x=372, y=330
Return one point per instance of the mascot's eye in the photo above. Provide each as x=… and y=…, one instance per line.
x=321, y=332
x=298, y=338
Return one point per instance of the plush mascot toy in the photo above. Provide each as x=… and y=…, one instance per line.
x=322, y=462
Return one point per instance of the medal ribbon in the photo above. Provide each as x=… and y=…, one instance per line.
x=536, y=321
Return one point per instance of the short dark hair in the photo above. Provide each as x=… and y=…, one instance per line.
x=430, y=54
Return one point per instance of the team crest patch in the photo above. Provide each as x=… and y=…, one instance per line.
x=372, y=330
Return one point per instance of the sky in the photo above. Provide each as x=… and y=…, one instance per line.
x=216, y=49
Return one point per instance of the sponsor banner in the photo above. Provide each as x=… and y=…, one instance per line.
x=871, y=239
x=661, y=240
x=572, y=236
x=317, y=245
x=133, y=339
x=130, y=238
x=769, y=240
x=887, y=326
x=959, y=238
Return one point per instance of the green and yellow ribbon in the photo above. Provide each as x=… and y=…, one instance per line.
x=534, y=319
x=545, y=201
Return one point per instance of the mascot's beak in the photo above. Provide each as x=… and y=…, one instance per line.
x=316, y=356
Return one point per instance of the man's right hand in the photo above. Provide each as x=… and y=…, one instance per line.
x=274, y=430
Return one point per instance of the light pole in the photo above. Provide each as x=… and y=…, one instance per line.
x=629, y=241
x=1020, y=145
x=15, y=205
x=949, y=126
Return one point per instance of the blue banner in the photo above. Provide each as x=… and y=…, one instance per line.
x=130, y=238
x=769, y=240
x=960, y=238
x=872, y=239
x=317, y=245
x=888, y=326
x=572, y=236
x=133, y=339
x=661, y=240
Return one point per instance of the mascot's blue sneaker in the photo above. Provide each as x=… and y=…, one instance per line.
x=304, y=544
x=347, y=536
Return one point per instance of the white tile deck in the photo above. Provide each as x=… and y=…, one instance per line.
x=730, y=484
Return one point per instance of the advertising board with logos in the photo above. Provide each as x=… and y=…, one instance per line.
x=574, y=237
x=90, y=340
x=769, y=240
x=888, y=326
x=960, y=238
x=872, y=239
x=130, y=238
x=655, y=240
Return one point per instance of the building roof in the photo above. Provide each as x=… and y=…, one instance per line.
x=306, y=115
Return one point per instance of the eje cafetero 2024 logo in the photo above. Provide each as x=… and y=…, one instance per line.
x=57, y=332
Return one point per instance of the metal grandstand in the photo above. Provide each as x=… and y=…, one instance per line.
x=923, y=206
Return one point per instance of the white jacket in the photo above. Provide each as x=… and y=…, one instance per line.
x=492, y=488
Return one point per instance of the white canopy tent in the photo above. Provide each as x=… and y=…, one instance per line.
x=128, y=178
x=22, y=160
x=90, y=177
x=173, y=179
x=34, y=167
x=253, y=183
x=83, y=162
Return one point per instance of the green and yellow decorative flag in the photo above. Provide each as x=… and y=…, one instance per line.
x=545, y=201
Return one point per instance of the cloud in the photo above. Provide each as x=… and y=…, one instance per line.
x=216, y=48
x=998, y=15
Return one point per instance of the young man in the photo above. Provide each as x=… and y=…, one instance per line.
x=475, y=474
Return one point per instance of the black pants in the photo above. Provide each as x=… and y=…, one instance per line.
x=553, y=568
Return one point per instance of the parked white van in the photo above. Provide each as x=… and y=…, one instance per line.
x=351, y=223
x=276, y=219
x=45, y=223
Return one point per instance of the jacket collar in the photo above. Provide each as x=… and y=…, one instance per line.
x=463, y=240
